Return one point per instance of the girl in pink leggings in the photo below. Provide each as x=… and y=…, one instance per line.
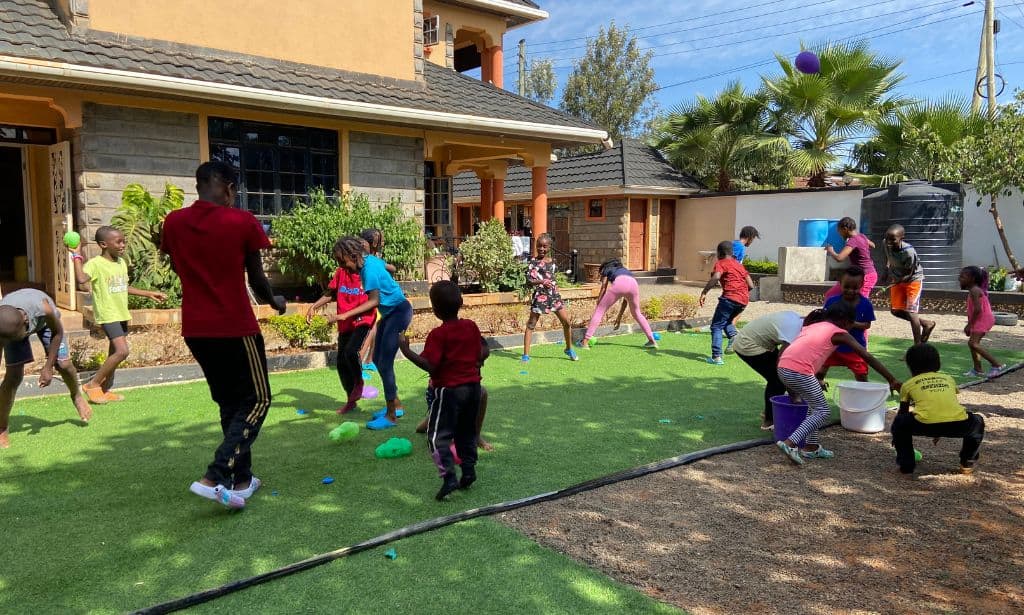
x=617, y=282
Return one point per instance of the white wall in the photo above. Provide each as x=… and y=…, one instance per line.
x=980, y=235
x=777, y=216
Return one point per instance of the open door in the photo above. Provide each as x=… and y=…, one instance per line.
x=60, y=223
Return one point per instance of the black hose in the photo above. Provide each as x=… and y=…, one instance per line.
x=439, y=522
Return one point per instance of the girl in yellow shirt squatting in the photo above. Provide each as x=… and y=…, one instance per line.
x=106, y=276
x=936, y=412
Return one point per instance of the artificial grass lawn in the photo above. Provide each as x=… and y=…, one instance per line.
x=99, y=518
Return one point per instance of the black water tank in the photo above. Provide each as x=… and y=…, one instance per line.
x=934, y=220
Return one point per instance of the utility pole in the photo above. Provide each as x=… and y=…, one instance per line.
x=986, y=73
x=522, y=67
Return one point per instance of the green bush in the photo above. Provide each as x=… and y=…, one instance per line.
x=997, y=279
x=652, y=308
x=765, y=267
x=488, y=257
x=299, y=333
x=141, y=219
x=305, y=236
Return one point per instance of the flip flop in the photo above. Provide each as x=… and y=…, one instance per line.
x=384, y=411
x=380, y=423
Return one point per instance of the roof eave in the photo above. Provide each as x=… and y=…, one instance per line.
x=593, y=191
x=510, y=9
x=235, y=94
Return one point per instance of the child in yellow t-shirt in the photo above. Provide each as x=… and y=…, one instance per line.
x=937, y=413
x=106, y=276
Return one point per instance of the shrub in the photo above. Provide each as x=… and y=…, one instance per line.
x=680, y=306
x=652, y=308
x=765, y=267
x=299, y=333
x=489, y=257
x=141, y=219
x=305, y=236
x=997, y=279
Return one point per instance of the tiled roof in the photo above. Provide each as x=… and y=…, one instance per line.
x=30, y=29
x=632, y=163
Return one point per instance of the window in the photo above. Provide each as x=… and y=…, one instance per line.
x=25, y=134
x=437, y=196
x=595, y=209
x=431, y=27
x=277, y=165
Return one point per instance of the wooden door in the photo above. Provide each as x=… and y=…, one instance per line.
x=666, y=232
x=638, y=234
x=60, y=223
x=464, y=221
x=558, y=228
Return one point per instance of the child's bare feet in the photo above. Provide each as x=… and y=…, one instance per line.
x=83, y=407
x=422, y=427
x=484, y=444
x=927, y=326
x=5, y=440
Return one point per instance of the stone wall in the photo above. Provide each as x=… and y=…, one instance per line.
x=599, y=240
x=933, y=301
x=117, y=146
x=385, y=167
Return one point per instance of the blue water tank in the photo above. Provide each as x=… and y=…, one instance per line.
x=834, y=239
x=811, y=232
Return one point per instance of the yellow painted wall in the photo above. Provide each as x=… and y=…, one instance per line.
x=369, y=37
x=700, y=225
x=492, y=26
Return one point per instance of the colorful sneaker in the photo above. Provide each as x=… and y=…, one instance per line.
x=995, y=372
x=380, y=423
x=973, y=373
x=651, y=345
x=384, y=411
x=715, y=360
x=790, y=451
x=569, y=352
x=525, y=358
x=219, y=494
x=247, y=493
x=820, y=453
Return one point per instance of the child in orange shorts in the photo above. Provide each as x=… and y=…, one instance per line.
x=906, y=279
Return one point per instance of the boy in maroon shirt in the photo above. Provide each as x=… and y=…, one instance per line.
x=736, y=285
x=212, y=247
x=452, y=355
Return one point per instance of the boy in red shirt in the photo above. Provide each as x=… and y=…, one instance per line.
x=212, y=246
x=452, y=355
x=346, y=288
x=736, y=285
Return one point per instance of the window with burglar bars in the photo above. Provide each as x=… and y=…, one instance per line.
x=277, y=165
x=437, y=196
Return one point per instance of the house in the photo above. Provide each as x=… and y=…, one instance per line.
x=360, y=96
x=618, y=202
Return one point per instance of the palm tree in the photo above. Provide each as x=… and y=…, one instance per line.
x=851, y=93
x=722, y=138
x=910, y=145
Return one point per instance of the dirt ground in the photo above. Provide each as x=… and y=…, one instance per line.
x=750, y=533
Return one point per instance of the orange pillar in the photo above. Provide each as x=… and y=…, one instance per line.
x=486, y=65
x=497, y=67
x=498, y=198
x=540, y=201
x=486, y=200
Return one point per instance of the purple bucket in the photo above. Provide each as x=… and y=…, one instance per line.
x=787, y=417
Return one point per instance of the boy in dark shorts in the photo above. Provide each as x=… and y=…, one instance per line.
x=937, y=413
x=23, y=313
x=213, y=246
x=736, y=286
x=106, y=276
x=452, y=355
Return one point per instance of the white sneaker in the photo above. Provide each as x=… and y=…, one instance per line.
x=246, y=493
x=218, y=494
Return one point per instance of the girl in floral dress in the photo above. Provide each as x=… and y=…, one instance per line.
x=546, y=299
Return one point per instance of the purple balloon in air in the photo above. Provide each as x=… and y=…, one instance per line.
x=807, y=62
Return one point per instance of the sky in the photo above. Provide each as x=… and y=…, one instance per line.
x=702, y=45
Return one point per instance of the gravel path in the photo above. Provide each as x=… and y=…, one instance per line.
x=748, y=532
x=949, y=327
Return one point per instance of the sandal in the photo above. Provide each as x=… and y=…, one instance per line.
x=790, y=451
x=820, y=453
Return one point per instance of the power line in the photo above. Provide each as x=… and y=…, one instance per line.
x=781, y=34
x=767, y=62
x=959, y=72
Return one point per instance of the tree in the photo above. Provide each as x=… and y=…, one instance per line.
x=611, y=85
x=719, y=140
x=993, y=162
x=540, y=81
x=916, y=142
x=852, y=91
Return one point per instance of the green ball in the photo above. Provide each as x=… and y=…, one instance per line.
x=917, y=455
x=394, y=448
x=345, y=431
x=72, y=239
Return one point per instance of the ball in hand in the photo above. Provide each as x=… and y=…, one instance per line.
x=72, y=240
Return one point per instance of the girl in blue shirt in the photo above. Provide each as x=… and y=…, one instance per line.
x=395, y=316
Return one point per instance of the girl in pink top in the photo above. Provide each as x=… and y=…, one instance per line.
x=858, y=250
x=979, y=320
x=800, y=361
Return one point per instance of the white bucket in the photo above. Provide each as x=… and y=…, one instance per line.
x=862, y=405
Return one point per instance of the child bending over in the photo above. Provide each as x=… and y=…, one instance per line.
x=452, y=356
x=864, y=314
x=937, y=413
